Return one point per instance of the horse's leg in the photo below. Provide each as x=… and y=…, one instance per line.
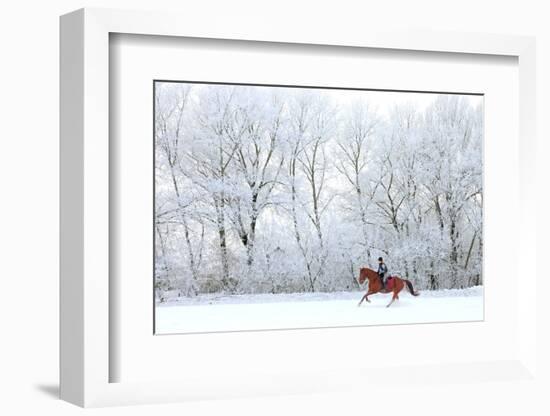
x=365, y=297
x=392, y=300
x=397, y=287
x=395, y=295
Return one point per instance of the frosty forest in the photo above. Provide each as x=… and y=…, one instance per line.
x=268, y=190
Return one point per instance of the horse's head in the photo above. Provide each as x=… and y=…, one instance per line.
x=363, y=274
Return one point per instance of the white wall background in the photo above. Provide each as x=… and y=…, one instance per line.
x=29, y=184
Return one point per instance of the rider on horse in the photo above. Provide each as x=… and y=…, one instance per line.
x=382, y=271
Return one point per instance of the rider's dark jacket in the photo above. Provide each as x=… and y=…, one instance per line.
x=382, y=269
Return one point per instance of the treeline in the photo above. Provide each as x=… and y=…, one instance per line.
x=288, y=190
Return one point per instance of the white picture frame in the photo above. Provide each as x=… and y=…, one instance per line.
x=85, y=353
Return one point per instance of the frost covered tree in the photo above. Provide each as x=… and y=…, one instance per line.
x=256, y=134
x=311, y=126
x=453, y=131
x=355, y=160
x=176, y=208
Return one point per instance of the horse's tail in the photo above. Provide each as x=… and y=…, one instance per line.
x=410, y=287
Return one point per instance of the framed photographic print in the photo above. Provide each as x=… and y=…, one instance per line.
x=247, y=215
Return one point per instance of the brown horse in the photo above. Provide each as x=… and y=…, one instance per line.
x=375, y=285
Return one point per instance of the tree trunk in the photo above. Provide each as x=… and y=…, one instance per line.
x=252, y=232
x=220, y=218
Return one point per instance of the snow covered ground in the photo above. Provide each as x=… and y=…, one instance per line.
x=213, y=313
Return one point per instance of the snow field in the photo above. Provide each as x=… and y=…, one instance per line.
x=311, y=310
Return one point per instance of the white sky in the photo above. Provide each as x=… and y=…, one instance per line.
x=383, y=101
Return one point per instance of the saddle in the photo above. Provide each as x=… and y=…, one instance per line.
x=389, y=283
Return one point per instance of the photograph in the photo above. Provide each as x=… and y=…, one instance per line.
x=294, y=207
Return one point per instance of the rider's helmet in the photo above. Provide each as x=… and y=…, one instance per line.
x=380, y=259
